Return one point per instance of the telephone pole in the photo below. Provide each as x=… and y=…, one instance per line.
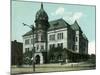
x=33, y=50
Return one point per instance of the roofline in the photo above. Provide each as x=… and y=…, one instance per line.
x=56, y=28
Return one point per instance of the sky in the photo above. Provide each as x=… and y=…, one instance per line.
x=25, y=11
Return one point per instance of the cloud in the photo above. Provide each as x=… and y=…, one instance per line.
x=77, y=15
x=59, y=11
x=91, y=47
x=70, y=17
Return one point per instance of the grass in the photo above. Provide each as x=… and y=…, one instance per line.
x=52, y=68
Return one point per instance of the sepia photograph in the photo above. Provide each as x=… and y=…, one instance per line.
x=52, y=37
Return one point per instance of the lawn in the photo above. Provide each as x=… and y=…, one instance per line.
x=52, y=68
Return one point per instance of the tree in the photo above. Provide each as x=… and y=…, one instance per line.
x=56, y=54
x=27, y=56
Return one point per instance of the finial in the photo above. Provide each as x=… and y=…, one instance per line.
x=41, y=5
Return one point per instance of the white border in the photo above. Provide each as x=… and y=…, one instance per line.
x=5, y=36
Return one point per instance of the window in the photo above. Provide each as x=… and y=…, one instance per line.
x=42, y=37
x=37, y=47
x=73, y=38
x=51, y=46
x=26, y=49
x=52, y=37
x=42, y=47
x=76, y=39
x=75, y=47
x=31, y=41
x=34, y=35
x=60, y=36
x=26, y=41
x=60, y=45
x=34, y=48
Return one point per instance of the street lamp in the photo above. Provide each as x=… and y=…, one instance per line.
x=33, y=51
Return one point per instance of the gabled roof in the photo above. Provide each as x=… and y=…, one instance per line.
x=75, y=26
x=28, y=33
x=57, y=24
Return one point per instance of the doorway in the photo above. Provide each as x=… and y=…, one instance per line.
x=37, y=59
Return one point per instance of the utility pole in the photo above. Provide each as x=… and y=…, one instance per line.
x=33, y=50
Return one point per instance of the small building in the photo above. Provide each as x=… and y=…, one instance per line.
x=16, y=53
x=51, y=34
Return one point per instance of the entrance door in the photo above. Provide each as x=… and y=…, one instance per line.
x=37, y=59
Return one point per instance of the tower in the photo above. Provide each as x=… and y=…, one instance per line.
x=42, y=24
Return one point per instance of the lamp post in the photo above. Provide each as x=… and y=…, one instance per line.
x=33, y=50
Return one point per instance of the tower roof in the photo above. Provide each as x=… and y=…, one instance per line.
x=41, y=14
